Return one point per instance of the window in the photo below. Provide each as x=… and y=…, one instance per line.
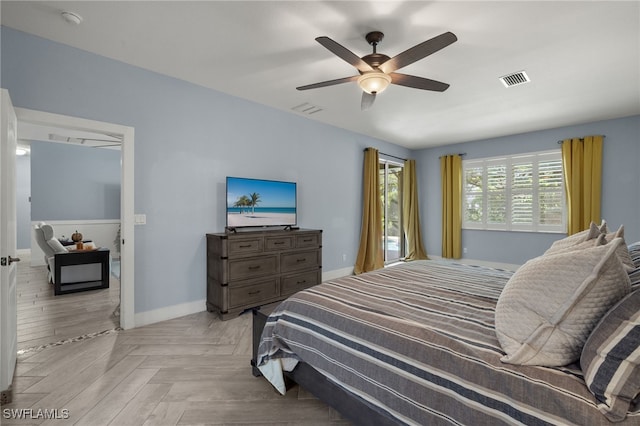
x=391, y=194
x=515, y=193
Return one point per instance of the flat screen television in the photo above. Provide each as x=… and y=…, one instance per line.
x=259, y=202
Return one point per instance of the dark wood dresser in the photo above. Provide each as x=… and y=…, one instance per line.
x=249, y=269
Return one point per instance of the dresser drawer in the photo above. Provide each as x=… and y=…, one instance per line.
x=245, y=246
x=300, y=260
x=253, y=293
x=294, y=283
x=252, y=267
x=310, y=240
x=278, y=243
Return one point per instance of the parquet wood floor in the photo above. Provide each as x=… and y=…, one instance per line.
x=192, y=370
x=44, y=318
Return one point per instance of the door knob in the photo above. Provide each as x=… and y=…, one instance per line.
x=8, y=261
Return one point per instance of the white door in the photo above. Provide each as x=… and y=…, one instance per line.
x=8, y=301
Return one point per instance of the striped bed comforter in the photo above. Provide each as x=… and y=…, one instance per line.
x=417, y=341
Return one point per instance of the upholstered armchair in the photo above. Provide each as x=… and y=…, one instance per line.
x=75, y=270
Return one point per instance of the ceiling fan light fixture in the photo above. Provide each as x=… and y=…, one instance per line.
x=374, y=82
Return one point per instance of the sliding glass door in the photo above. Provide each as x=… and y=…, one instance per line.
x=391, y=193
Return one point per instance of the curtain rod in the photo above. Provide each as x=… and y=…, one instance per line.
x=462, y=154
x=582, y=139
x=389, y=155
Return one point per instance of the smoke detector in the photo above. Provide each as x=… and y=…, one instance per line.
x=72, y=18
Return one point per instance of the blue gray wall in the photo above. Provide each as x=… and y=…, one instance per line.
x=620, y=183
x=187, y=140
x=23, y=205
x=71, y=182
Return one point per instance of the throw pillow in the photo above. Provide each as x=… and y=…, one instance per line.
x=610, y=359
x=56, y=246
x=634, y=275
x=577, y=238
x=600, y=240
x=634, y=252
x=623, y=251
x=551, y=304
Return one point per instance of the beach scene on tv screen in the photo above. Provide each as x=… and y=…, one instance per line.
x=260, y=203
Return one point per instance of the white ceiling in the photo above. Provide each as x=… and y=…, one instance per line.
x=583, y=57
x=28, y=132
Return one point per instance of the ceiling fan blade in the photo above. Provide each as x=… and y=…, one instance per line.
x=418, y=82
x=328, y=83
x=367, y=101
x=81, y=140
x=344, y=54
x=418, y=52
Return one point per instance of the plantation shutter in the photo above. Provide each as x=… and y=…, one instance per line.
x=520, y=193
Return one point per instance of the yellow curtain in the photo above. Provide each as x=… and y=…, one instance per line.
x=582, y=165
x=410, y=213
x=451, y=174
x=370, y=255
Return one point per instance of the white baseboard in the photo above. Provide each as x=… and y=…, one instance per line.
x=496, y=265
x=176, y=311
x=169, y=312
x=337, y=273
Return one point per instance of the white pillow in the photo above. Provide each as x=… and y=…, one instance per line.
x=551, y=304
x=571, y=240
x=623, y=250
x=600, y=240
x=56, y=246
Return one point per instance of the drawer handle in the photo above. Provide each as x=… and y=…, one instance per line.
x=308, y=240
x=253, y=268
x=279, y=243
x=254, y=292
x=304, y=259
x=245, y=246
x=302, y=282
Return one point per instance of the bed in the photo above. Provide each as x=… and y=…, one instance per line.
x=416, y=344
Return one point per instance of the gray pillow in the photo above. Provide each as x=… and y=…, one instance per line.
x=634, y=275
x=610, y=359
x=551, y=304
x=634, y=252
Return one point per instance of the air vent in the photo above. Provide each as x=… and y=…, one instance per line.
x=515, y=79
x=307, y=108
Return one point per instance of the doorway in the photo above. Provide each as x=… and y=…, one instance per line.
x=126, y=135
x=391, y=199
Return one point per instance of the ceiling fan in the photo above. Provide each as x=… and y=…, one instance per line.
x=377, y=70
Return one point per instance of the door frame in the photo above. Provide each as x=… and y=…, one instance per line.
x=8, y=271
x=127, y=235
